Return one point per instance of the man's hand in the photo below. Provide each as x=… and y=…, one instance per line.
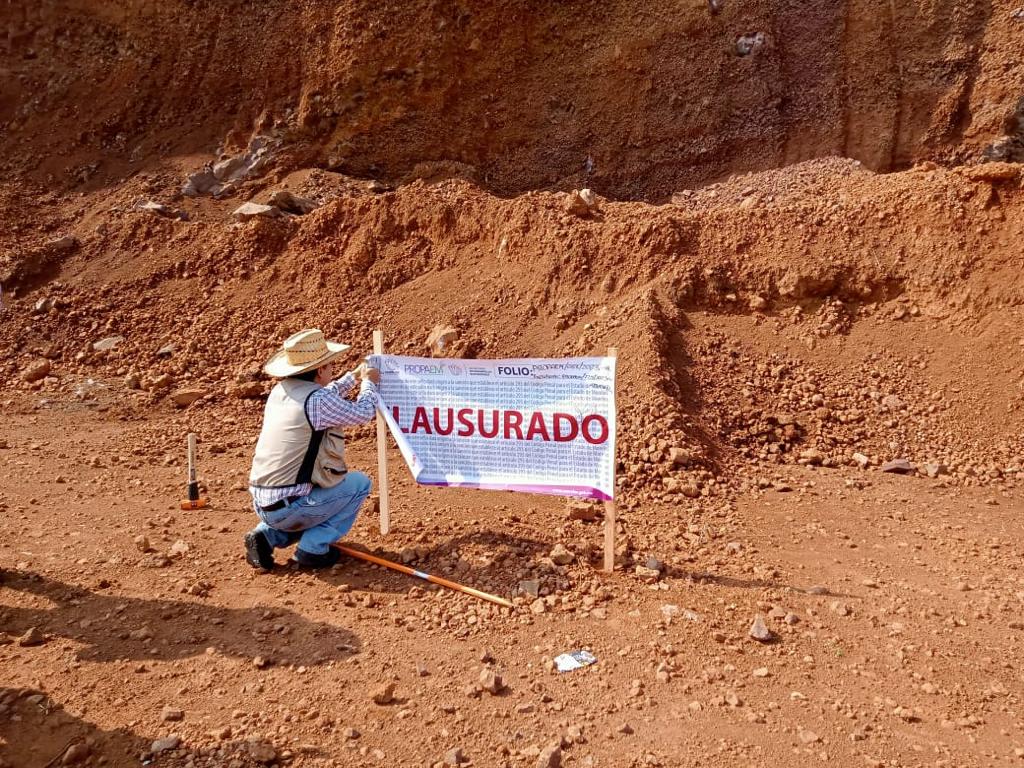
x=365, y=372
x=371, y=373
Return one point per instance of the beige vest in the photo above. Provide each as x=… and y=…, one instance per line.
x=330, y=467
x=288, y=444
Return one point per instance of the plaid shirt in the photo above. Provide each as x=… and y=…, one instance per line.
x=328, y=407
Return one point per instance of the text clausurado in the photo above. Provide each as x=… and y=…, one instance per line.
x=507, y=424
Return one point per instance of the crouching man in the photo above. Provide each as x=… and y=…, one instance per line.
x=301, y=488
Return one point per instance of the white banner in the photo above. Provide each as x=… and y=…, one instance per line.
x=533, y=425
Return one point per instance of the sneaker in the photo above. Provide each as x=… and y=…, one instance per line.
x=309, y=560
x=258, y=552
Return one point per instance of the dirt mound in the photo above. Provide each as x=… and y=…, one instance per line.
x=783, y=317
x=633, y=101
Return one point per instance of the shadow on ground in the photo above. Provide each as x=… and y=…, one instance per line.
x=113, y=627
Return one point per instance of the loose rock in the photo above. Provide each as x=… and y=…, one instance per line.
x=759, y=630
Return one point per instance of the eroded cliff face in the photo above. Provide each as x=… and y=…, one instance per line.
x=637, y=100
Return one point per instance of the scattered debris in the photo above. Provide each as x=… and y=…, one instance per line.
x=567, y=662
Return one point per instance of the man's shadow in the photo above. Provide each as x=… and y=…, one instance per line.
x=36, y=731
x=113, y=627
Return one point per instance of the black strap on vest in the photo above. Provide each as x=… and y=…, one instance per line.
x=309, y=460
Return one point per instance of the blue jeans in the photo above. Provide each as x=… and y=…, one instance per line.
x=324, y=516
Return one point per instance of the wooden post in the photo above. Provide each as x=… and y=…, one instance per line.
x=382, y=452
x=609, y=508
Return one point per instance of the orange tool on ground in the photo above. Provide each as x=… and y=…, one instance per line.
x=425, y=576
x=194, y=500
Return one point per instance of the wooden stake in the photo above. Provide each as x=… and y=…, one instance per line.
x=609, y=509
x=382, y=452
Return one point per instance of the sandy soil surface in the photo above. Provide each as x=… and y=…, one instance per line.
x=894, y=605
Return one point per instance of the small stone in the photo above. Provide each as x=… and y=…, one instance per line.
x=761, y=672
x=538, y=606
x=561, y=556
x=165, y=744
x=161, y=382
x=180, y=547
x=861, y=460
x=384, y=694
x=581, y=202
x=654, y=564
x=245, y=390
x=454, y=757
x=221, y=734
x=75, y=754
x=679, y=457
x=934, y=470
x=491, y=682
x=289, y=202
x=351, y=734
x=647, y=575
x=142, y=544
x=171, y=715
x=748, y=44
x=260, y=663
x=840, y=608
x=550, y=757
x=441, y=338
x=581, y=510
x=759, y=630
x=817, y=589
x=899, y=466
x=808, y=737
x=166, y=350
x=530, y=587
x=252, y=210
x=625, y=729
x=812, y=456
x=261, y=752
x=32, y=637
x=183, y=398
x=36, y=371
x=107, y=344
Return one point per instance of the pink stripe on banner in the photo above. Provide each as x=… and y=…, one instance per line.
x=576, y=491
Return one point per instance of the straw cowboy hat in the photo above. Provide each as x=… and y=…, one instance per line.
x=303, y=352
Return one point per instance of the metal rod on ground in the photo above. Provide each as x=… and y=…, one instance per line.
x=425, y=576
x=382, y=452
x=610, y=509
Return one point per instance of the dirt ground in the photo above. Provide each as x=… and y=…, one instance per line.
x=894, y=602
